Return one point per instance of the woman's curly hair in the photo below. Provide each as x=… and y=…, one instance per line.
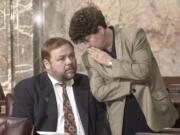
x=84, y=22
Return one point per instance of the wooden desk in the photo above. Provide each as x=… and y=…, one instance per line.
x=2, y=102
x=173, y=86
x=168, y=80
x=172, y=130
x=2, y=107
x=140, y=133
x=175, y=98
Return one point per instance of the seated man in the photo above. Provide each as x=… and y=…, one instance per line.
x=59, y=99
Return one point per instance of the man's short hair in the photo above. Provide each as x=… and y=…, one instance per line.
x=85, y=22
x=51, y=44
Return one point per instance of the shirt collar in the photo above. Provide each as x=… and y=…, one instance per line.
x=54, y=81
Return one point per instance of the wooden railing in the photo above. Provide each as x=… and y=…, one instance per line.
x=173, y=86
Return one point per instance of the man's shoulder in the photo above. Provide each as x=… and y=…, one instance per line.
x=81, y=79
x=31, y=78
x=129, y=33
x=130, y=30
x=30, y=81
x=25, y=81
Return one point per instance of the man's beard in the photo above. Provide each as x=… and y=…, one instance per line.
x=68, y=76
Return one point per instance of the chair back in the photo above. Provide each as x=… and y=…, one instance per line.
x=15, y=126
x=9, y=101
x=2, y=96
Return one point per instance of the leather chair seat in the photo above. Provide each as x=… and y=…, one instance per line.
x=9, y=101
x=15, y=126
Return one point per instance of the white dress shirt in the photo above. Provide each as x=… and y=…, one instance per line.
x=59, y=98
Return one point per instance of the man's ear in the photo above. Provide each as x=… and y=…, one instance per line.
x=46, y=64
x=101, y=30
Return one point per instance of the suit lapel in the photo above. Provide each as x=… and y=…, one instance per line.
x=81, y=98
x=48, y=101
x=49, y=105
x=118, y=42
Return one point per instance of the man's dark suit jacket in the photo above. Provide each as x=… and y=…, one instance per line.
x=35, y=98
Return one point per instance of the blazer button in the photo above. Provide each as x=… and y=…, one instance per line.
x=133, y=90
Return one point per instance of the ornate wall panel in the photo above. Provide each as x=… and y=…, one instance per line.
x=26, y=24
x=5, y=45
x=16, y=55
x=159, y=18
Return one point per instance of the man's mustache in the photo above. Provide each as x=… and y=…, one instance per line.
x=70, y=67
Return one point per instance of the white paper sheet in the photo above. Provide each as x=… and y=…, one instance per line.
x=50, y=133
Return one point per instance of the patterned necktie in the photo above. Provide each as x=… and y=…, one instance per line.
x=69, y=119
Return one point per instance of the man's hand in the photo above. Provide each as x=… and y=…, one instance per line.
x=100, y=56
